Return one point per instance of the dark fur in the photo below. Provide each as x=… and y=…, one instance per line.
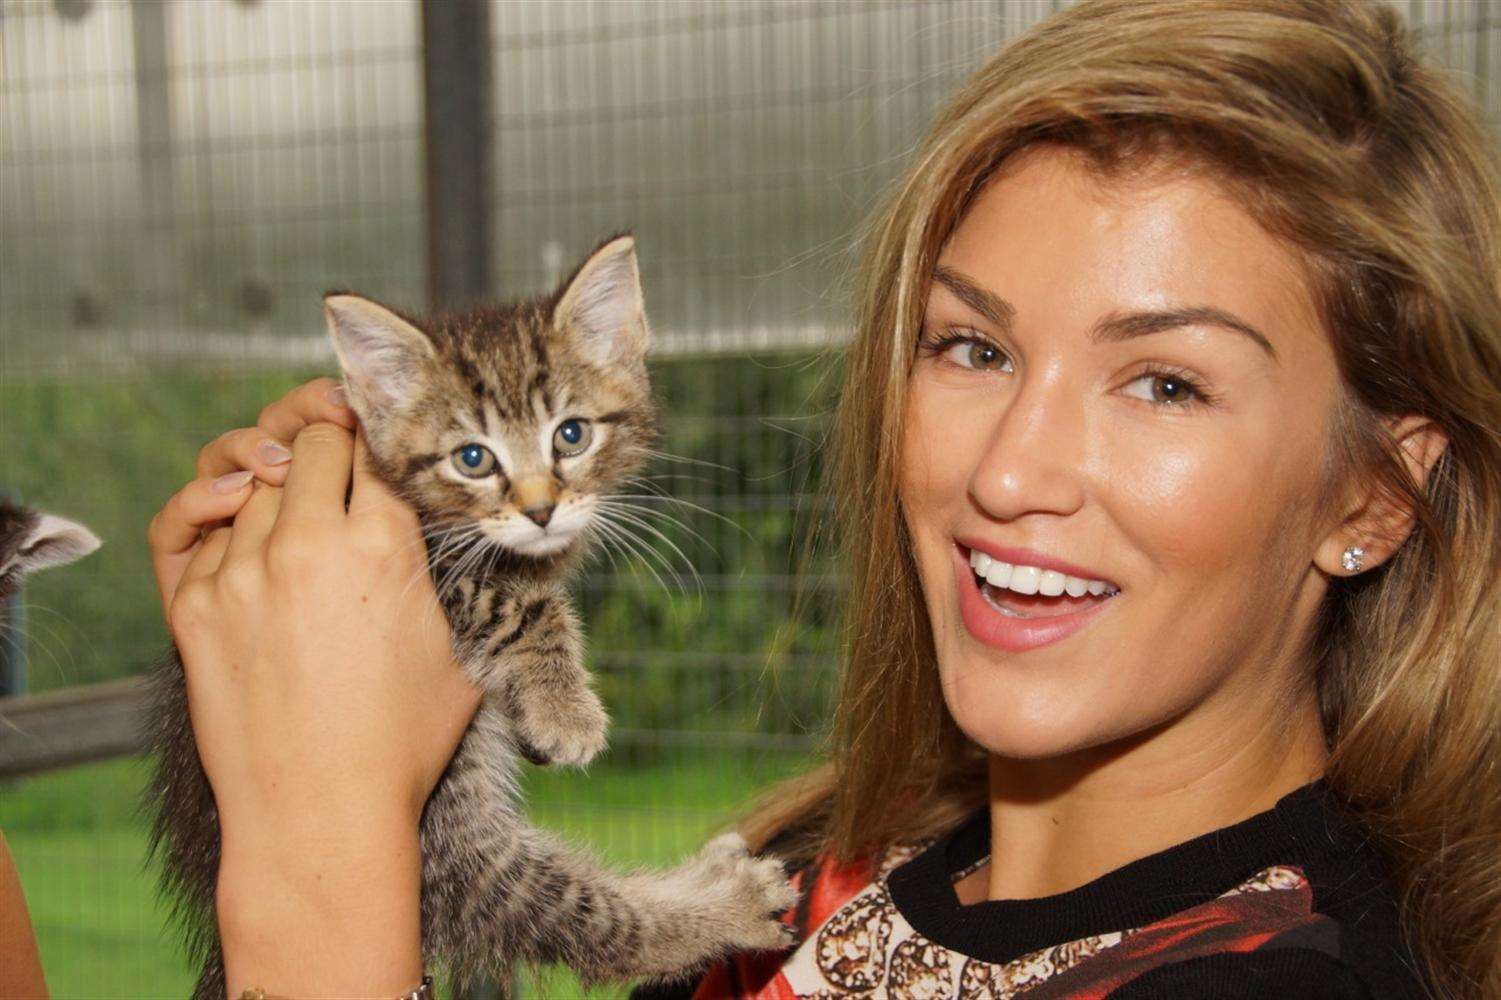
x=31, y=540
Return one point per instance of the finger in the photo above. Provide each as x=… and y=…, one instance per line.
x=245, y=448
x=176, y=531
x=210, y=555
x=176, y=527
x=318, y=481
x=368, y=492
x=309, y=403
x=254, y=522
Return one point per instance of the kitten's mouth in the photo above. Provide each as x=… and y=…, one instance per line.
x=543, y=545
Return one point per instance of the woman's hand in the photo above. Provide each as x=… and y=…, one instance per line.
x=325, y=704
x=225, y=468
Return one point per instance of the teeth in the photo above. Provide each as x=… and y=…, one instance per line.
x=1032, y=579
x=999, y=574
x=1024, y=579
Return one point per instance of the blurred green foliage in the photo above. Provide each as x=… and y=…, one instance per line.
x=696, y=635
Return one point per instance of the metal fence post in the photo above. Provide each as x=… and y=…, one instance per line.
x=159, y=268
x=456, y=81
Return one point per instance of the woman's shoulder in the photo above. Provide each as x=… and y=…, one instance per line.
x=1287, y=973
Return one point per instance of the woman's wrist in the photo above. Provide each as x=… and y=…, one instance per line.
x=329, y=911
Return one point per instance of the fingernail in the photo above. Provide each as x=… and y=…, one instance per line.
x=231, y=482
x=337, y=397
x=273, y=452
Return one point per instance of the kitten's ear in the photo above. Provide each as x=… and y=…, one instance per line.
x=602, y=306
x=382, y=355
x=53, y=541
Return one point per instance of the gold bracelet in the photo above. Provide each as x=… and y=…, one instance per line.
x=423, y=992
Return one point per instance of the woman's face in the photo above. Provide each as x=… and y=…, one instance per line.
x=1122, y=391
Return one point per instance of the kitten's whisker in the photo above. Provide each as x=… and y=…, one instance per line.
x=685, y=477
x=460, y=568
x=638, y=548
x=592, y=532
x=630, y=514
x=450, y=538
x=668, y=456
x=609, y=548
x=680, y=501
x=609, y=534
x=29, y=611
x=452, y=542
x=671, y=519
x=25, y=638
x=446, y=567
x=647, y=551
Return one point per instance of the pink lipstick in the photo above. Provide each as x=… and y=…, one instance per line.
x=1014, y=622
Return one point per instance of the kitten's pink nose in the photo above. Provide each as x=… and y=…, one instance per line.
x=540, y=514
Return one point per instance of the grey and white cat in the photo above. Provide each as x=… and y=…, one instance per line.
x=505, y=429
x=31, y=540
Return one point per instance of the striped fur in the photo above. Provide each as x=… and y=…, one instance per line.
x=496, y=890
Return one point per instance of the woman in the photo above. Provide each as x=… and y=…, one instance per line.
x=1170, y=467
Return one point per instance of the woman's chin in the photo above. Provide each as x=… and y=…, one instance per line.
x=1036, y=724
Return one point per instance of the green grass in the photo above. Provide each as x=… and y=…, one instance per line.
x=80, y=847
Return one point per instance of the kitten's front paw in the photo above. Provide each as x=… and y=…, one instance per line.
x=753, y=891
x=560, y=727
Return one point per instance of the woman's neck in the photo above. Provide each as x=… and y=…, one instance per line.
x=1062, y=823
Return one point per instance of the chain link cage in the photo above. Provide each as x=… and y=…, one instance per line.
x=181, y=180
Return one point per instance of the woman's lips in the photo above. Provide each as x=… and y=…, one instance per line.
x=1014, y=622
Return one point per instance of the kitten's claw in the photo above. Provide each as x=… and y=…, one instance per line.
x=566, y=728
x=751, y=893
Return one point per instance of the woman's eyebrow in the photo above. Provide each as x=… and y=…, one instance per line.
x=987, y=304
x=1115, y=326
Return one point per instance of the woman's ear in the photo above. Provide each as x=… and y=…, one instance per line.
x=1381, y=521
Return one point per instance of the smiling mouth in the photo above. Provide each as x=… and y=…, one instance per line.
x=1031, y=592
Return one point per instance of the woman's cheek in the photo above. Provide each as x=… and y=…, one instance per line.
x=1192, y=504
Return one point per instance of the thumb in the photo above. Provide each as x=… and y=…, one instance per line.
x=368, y=492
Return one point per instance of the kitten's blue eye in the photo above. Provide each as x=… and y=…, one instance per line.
x=474, y=460
x=572, y=437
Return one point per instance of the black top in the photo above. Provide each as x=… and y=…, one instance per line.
x=1346, y=943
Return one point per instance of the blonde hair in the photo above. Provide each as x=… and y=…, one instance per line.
x=1375, y=170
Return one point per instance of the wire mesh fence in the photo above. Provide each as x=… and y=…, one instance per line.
x=179, y=182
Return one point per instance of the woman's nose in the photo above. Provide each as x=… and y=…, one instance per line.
x=1033, y=459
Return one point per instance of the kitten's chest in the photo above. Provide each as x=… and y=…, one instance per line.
x=480, y=596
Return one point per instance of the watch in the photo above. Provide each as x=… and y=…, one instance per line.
x=424, y=991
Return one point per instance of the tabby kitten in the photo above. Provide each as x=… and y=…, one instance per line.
x=504, y=428
x=31, y=540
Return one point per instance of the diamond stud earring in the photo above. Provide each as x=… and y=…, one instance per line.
x=1353, y=559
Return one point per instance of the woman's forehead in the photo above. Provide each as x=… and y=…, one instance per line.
x=1061, y=243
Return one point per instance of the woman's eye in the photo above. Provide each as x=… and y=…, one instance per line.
x=978, y=355
x=1165, y=388
x=474, y=460
x=572, y=437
